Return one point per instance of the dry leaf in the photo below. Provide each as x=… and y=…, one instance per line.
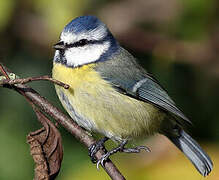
x=46, y=149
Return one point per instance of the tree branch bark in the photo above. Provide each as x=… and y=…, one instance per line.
x=61, y=118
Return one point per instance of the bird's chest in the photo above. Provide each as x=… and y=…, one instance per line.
x=74, y=77
x=97, y=106
x=85, y=85
x=84, y=95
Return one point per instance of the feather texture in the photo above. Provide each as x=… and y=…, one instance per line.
x=111, y=94
x=193, y=151
x=125, y=74
x=95, y=105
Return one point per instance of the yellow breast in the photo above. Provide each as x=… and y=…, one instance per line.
x=74, y=76
x=97, y=106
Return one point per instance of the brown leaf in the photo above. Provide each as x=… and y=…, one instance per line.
x=41, y=167
x=46, y=149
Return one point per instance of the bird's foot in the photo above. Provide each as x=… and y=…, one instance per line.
x=136, y=149
x=96, y=147
x=121, y=148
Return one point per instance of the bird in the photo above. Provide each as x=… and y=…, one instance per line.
x=111, y=94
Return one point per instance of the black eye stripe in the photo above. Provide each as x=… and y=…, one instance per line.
x=83, y=42
x=80, y=43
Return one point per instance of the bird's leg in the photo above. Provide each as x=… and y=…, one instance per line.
x=121, y=148
x=96, y=147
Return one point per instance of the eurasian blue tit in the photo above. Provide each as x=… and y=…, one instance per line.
x=111, y=94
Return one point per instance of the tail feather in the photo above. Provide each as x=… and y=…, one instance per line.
x=194, y=152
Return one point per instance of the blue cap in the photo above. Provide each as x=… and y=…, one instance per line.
x=82, y=23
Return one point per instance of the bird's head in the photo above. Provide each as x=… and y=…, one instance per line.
x=84, y=40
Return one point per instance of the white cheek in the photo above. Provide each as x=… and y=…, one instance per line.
x=83, y=55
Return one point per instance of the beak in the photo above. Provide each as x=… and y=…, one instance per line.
x=59, y=46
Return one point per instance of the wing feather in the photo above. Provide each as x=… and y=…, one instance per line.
x=125, y=74
x=150, y=91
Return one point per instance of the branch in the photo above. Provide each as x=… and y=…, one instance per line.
x=61, y=118
x=13, y=81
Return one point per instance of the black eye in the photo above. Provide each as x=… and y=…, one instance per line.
x=82, y=42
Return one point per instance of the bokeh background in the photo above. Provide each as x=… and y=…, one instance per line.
x=176, y=40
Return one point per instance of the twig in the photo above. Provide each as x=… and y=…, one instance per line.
x=4, y=72
x=67, y=123
x=29, y=79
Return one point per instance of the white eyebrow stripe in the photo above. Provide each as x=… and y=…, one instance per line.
x=138, y=84
x=95, y=34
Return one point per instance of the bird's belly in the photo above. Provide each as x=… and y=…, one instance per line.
x=97, y=106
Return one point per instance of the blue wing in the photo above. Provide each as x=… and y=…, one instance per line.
x=151, y=91
x=131, y=79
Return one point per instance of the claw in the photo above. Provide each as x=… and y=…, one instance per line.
x=92, y=149
x=96, y=147
x=101, y=161
x=120, y=148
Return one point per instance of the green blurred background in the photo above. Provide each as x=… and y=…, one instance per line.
x=176, y=40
